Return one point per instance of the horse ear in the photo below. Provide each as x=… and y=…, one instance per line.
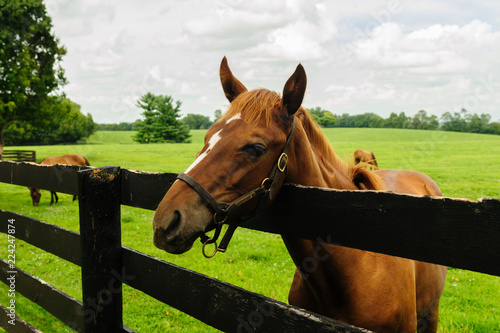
x=294, y=90
x=232, y=86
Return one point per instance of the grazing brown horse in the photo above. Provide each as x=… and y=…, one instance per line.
x=241, y=154
x=69, y=159
x=366, y=157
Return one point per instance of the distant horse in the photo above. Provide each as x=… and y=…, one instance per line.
x=69, y=159
x=264, y=140
x=367, y=157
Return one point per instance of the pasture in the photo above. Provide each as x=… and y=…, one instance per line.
x=463, y=165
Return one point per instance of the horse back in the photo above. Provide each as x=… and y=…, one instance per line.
x=69, y=159
x=408, y=182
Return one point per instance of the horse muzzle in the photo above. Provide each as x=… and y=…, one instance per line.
x=175, y=225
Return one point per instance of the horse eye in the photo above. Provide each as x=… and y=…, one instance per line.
x=254, y=150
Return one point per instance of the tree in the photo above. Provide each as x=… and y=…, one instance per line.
x=396, y=121
x=197, y=121
x=345, y=120
x=478, y=124
x=66, y=124
x=455, y=122
x=69, y=124
x=328, y=119
x=493, y=128
x=217, y=115
x=161, y=123
x=30, y=59
x=376, y=122
x=324, y=118
x=422, y=121
x=122, y=126
x=363, y=120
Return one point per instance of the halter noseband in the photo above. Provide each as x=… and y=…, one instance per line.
x=223, y=211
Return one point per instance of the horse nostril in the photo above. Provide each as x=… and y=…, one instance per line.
x=175, y=223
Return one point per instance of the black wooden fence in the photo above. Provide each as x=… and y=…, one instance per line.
x=453, y=232
x=18, y=155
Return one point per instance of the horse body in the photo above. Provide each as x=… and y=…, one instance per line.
x=367, y=289
x=408, y=182
x=68, y=159
x=370, y=290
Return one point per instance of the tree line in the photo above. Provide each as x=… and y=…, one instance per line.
x=462, y=121
x=193, y=121
x=123, y=126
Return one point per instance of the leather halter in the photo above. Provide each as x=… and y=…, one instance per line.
x=227, y=212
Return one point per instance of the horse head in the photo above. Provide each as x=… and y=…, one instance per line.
x=36, y=194
x=239, y=169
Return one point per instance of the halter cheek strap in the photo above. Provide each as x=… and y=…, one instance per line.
x=224, y=212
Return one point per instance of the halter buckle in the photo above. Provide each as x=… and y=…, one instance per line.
x=243, y=200
x=282, y=162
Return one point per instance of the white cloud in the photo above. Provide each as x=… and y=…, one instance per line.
x=366, y=90
x=435, y=49
x=295, y=30
x=292, y=42
x=399, y=56
x=81, y=17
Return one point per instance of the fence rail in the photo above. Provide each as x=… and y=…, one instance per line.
x=56, y=240
x=19, y=155
x=453, y=232
x=60, y=305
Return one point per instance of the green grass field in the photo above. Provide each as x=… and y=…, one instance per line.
x=463, y=165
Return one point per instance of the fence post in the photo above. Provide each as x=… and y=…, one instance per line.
x=100, y=233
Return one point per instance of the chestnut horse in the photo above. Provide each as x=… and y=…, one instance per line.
x=366, y=157
x=366, y=289
x=69, y=159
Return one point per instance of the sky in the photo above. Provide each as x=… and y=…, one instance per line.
x=359, y=56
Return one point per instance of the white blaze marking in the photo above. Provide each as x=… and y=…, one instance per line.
x=211, y=144
x=238, y=116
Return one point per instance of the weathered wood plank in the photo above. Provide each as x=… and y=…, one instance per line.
x=219, y=304
x=60, y=305
x=100, y=231
x=452, y=232
x=57, y=178
x=48, y=237
x=145, y=189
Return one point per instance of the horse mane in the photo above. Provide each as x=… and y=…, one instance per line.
x=252, y=106
x=360, y=176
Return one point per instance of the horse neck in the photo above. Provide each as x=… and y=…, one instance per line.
x=311, y=165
